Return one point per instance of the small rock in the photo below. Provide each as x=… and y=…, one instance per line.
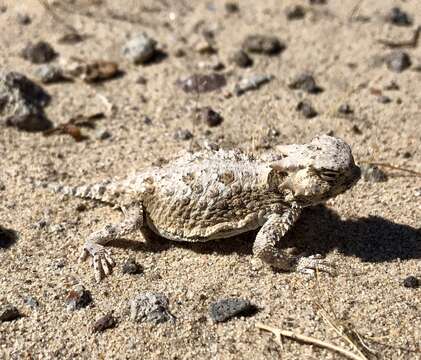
x=225, y=309
x=141, y=80
x=295, y=12
x=22, y=102
x=231, y=7
x=383, y=99
x=306, y=108
x=392, y=86
x=306, y=83
x=398, y=17
x=356, y=130
x=151, y=307
x=39, y=53
x=252, y=82
x=131, y=267
x=141, y=49
x=23, y=19
x=345, y=109
x=241, y=59
x=183, y=134
x=398, y=61
x=78, y=298
x=147, y=120
x=411, y=282
x=102, y=134
x=205, y=47
x=317, y=2
x=179, y=52
x=406, y=155
x=106, y=322
x=8, y=312
x=372, y=173
x=263, y=44
x=200, y=83
x=210, y=117
x=48, y=74
x=31, y=302
x=2, y=186
x=71, y=38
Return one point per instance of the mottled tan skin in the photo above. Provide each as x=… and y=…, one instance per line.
x=218, y=194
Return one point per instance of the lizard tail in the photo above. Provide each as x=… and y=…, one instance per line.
x=102, y=191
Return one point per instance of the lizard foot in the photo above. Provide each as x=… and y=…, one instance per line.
x=310, y=264
x=101, y=259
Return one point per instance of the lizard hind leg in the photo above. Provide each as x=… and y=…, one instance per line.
x=94, y=245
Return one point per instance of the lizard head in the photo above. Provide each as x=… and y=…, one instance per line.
x=315, y=172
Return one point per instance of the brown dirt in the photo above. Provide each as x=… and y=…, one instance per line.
x=372, y=232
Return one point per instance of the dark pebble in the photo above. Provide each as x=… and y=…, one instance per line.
x=210, y=116
x=306, y=83
x=306, y=108
x=398, y=61
x=131, y=267
x=48, y=74
x=263, y=44
x=183, y=134
x=398, y=17
x=22, y=103
x=356, y=130
x=141, y=80
x=106, y=322
x=392, y=86
x=411, y=282
x=8, y=312
x=102, y=134
x=295, y=12
x=23, y=19
x=345, y=109
x=39, y=53
x=225, y=309
x=78, y=298
x=372, y=173
x=317, y=2
x=231, y=7
x=241, y=59
x=406, y=155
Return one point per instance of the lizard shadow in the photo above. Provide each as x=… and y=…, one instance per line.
x=319, y=230
x=8, y=237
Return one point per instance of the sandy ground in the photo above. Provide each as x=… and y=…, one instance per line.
x=372, y=233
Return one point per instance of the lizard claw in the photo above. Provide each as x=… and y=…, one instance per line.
x=102, y=261
x=310, y=264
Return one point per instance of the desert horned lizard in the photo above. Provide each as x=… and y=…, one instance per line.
x=212, y=194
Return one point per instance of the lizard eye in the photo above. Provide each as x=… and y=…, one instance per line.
x=328, y=175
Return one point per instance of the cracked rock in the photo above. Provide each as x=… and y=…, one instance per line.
x=151, y=307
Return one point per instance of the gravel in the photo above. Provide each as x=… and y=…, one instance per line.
x=225, y=309
x=78, y=298
x=49, y=73
x=398, y=17
x=295, y=12
x=306, y=108
x=106, y=322
x=210, y=116
x=140, y=49
x=151, y=307
x=398, y=61
x=131, y=267
x=39, y=53
x=241, y=59
x=263, y=44
x=305, y=82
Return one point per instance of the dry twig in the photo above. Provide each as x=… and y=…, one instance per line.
x=278, y=333
x=390, y=166
x=411, y=43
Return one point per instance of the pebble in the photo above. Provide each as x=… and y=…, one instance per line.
x=252, y=82
x=210, y=116
x=398, y=17
x=131, y=267
x=8, y=312
x=102, y=134
x=39, y=53
x=345, y=109
x=263, y=44
x=295, y=12
x=78, y=298
x=307, y=109
x=225, y=309
x=183, y=134
x=411, y=282
x=317, y=2
x=231, y=7
x=201, y=83
x=106, y=322
x=306, y=83
x=140, y=49
x=241, y=59
x=383, y=99
x=48, y=74
x=150, y=306
x=31, y=302
x=23, y=19
x=372, y=173
x=2, y=186
x=22, y=103
x=141, y=80
x=398, y=61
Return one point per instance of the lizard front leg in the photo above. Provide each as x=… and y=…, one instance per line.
x=94, y=245
x=269, y=236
